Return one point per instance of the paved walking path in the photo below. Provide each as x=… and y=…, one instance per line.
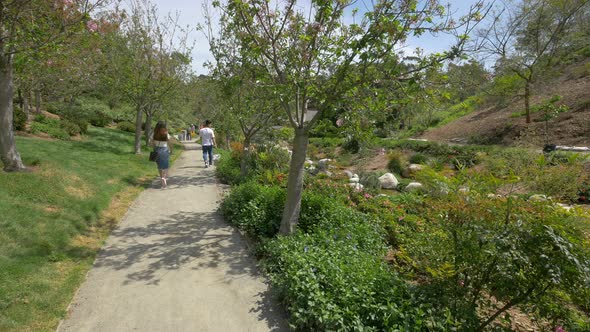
x=173, y=264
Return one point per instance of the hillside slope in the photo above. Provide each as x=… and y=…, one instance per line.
x=494, y=125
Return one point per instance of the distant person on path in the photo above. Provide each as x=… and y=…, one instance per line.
x=161, y=144
x=208, y=142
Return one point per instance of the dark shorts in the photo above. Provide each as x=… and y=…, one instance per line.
x=163, y=159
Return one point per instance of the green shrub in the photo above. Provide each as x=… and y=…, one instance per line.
x=51, y=128
x=418, y=158
x=505, y=87
x=55, y=107
x=584, y=192
x=286, y=134
x=127, y=126
x=227, y=168
x=457, y=155
x=334, y=279
x=395, y=163
x=324, y=128
x=99, y=119
x=509, y=161
x=316, y=209
x=464, y=159
x=517, y=252
x=370, y=181
x=436, y=163
x=41, y=118
x=19, y=120
x=352, y=145
x=270, y=157
x=463, y=108
x=71, y=128
x=326, y=142
x=74, y=114
x=83, y=112
x=255, y=209
x=403, y=183
x=561, y=182
x=328, y=188
x=97, y=112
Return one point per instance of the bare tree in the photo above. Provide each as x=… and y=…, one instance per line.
x=148, y=61
x=527, y=35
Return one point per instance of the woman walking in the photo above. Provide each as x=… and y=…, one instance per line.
x=162, y=146
x=208, y=142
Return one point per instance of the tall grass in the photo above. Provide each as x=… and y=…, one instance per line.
x=54, y=218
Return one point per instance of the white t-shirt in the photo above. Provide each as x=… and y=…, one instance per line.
x=207, y=136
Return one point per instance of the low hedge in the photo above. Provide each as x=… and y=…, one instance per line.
x=335, y=279
x=255, y=209
x=227, y=168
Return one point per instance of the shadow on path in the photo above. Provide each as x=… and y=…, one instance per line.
x=174, y=264
x=179, y=239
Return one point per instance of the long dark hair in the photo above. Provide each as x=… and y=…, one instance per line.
x=160, y=132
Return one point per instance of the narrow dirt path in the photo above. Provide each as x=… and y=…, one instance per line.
x=174, y=265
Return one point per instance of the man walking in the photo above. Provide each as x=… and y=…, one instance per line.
x=208, y=142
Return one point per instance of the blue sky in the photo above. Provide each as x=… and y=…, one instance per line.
x=191, y=14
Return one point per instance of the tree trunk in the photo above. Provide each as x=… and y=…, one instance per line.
x=295, y=182
x=26, y=106
x=8, y=153
x=19, y=93
x=38, y=101
x=245, y=157
x=138, y=119
x=148, y=128
x=527, y=97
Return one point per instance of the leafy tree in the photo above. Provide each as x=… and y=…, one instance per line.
x=317, y=58
x=465, y=79
x=245, y=96
x=146, y=64
x=67, y=70
x=30, y=27
x=527, y=36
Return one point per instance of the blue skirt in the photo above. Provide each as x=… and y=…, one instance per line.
x=163, y=159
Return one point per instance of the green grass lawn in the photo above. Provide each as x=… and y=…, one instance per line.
x=54, y=219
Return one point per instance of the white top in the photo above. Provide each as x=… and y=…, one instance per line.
x=207, y=136
x=160, y=144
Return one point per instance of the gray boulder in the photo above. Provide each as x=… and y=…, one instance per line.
x=538, y=198
x=388, y=181
x=414, y=186
x=323, y=164
x=414, y=168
